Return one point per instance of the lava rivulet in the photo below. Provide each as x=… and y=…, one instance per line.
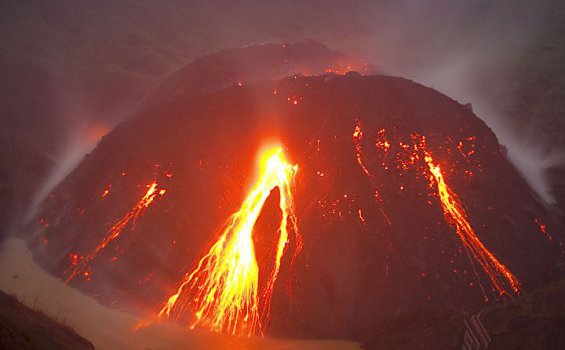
x=223, y=290
x=357, y=138
x=543, y=228
x=501, y=277
x=116, y=230
x=411, y=154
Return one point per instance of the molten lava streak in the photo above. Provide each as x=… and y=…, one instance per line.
x=501, y=277
x=223, y=289
x=411, y=154
x=357, y=137
x=116, y=230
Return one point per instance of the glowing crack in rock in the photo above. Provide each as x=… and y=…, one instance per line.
x=81, y=266
x=223, y=290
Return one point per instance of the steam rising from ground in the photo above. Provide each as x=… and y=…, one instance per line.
x=82, y=137
x=457, y=46
x=113, y=329
x=525, y=151
x=471, y=52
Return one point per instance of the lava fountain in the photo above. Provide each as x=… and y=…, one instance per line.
x=223, y=290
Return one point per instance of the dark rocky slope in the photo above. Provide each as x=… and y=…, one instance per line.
x=24, y=329
x=352, y=275
x=534, y=321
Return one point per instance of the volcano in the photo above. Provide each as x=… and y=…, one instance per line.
x=404, y=200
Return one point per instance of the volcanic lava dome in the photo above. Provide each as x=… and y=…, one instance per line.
x=314, y=206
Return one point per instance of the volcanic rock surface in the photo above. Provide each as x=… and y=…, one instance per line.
x=376, y=243
x=219, y=70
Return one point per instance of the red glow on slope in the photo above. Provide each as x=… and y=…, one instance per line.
x=500, y=276
x=341, y=68
x=357, y=138
x=294, y=100
x=222, y=291
x=106, y=192
x=117, y=229
x=543, y=228
x=360, y=215
x=413, y=153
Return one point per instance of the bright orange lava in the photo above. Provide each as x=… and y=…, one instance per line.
x=501, y=277
x=411, y=154
x=222, y=290
x=543, y=228
x=117, y=229
x=357, y=137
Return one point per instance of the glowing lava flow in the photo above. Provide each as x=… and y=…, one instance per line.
x=357, y=140
x=357, y=137
x=410, y=155
x=222, y=290
x=543, y=228
x=148, y=198
x=501, y=277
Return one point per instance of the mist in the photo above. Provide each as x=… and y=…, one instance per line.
x=469, y=50
x=82, y=138
x=23, y=278
x=472, y=51
x=73, y=71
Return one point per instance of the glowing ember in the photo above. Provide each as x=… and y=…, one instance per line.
x=106, y=191
x=410, y=155
x=543, y=228
x=294, y=100
x=115, y=231
x=222, y=290
x=357, y=140
x=357, y=137
x=339, y=70
x=360, y=215
x=501, y=277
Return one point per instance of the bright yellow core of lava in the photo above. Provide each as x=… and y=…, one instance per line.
x=222, y=291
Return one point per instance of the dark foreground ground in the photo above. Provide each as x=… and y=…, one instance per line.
x=22, y=328
x=534, y=321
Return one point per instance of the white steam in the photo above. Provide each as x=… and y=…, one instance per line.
x=527, y=154
x=82, y=138
x=459, y=48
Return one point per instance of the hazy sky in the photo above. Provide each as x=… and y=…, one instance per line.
x=72, y=66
